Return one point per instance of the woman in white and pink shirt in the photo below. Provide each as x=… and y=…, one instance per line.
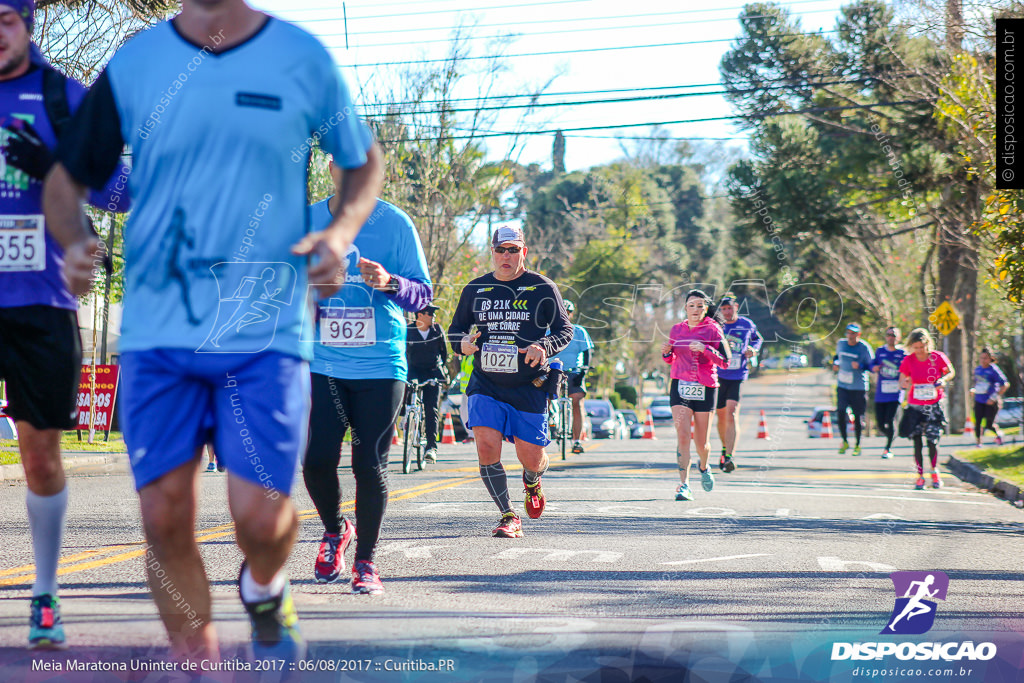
x=923, y=372
x=695, y=349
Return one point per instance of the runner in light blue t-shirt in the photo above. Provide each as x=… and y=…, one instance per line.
x=575, y=362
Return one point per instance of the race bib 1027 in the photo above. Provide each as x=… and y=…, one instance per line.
x=499, y=358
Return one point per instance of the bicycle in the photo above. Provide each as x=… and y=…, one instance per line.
x=562, y=417
x=414, y=428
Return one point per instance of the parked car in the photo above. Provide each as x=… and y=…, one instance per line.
x=814, y=424
x=7, y=428
x=1009, y=414
x=795, y=360
x=605, y=423
x=633, y=423
x=771, y=363
x=660, y=409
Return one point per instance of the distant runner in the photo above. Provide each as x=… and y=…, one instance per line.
x=575, y=363
x=887, y=391
x=852, y=363
x=744, y=343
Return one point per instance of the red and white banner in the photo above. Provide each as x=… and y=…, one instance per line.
x=106, y=391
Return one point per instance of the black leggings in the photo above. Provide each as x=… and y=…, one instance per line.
x=369, y=407
x=933, y=453
x=985, y=414
x=885, y=415
x=856, y=400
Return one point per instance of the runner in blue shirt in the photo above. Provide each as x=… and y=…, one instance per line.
x=852, y=362
x=989, y=386
x=744, y=342
x=887, y=390
x=575, y=362
x=220, y=106
x=40, y=349
x=358, y=374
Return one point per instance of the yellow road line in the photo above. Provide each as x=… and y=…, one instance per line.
x=202, y=536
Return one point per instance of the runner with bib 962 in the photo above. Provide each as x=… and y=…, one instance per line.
x=887, y=391
x=744, y=343
x=696, y=349
x=520, y=322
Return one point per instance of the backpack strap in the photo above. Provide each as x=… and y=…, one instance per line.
x=55, y=100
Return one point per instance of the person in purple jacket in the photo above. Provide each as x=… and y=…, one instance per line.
x=744, y=342
x=40, y=350
x=989, y=386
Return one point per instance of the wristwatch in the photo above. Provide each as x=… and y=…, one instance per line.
x=392, y=284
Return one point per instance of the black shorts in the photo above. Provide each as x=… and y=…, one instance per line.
x=577, y=383
x=705, y=406
x=854, y=399
x=41, y=363
x=728, y=390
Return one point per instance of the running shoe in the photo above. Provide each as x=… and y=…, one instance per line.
x=999, y=439
x=886, y=454
x=275, y=627
x=577, y=447
x=510, y=526
x=977, y=444
x=919, y=484
x=221, y=467
x=721, y=461
x=936, y=481
x=330, y=561
x=365, y=578
x=843, y=447
x=45, y=628
x=707, y=480
x=534, y=503
x=211, y=467
x=727, y=465
x=683, y=492
x=430, y=455
x=856, y=450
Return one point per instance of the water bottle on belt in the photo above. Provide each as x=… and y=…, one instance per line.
x=555, y=377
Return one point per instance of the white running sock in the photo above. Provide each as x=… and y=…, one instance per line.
x=256, y=592
x=46, y=522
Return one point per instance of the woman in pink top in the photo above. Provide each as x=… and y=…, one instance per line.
x=695, y=349
x=922, y=374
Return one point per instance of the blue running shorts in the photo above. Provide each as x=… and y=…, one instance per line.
x=485, y=411
x=253, y=408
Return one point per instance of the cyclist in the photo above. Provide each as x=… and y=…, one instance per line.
x=923, y=372
x=696, y=349
x=887, y=390
x=512, y=309
x=852, y=362
x=358, y=374
x=426, y=348
x=40, y=349
x=744, y=343
x=989, y=387
x=465, y=372
x=576, y=361
x=212, y=183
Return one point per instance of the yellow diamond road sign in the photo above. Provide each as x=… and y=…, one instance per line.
x=945, y=318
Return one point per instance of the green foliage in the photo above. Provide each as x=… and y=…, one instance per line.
x=616, y=400
x=628, y=393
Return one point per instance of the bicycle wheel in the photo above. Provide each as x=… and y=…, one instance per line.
x=563, y=419
x=407, y=434
x=421, y=432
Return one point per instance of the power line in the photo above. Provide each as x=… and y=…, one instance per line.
x=569, y=52
x=745, y=117
x=443, y=11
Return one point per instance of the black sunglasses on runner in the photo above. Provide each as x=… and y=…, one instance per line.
x=511, y=250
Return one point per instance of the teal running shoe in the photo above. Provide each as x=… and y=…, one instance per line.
x=707, y=480
x=45, y=628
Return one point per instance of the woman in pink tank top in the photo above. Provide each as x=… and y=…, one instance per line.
x=695, y=349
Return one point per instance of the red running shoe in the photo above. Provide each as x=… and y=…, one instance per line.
x=510, y=526
x=330, y=561
x=365, y=578
x=534, y=498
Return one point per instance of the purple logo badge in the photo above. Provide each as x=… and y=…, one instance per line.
x=914, y=612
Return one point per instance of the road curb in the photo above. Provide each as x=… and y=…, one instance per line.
x=972, y=474
x=17, y=473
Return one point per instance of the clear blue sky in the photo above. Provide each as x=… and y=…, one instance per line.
x=412, y=30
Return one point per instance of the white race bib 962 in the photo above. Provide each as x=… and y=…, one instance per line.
x=925, y=392
x=22, y=244
x=691, y=391
x=348, y=327
x=499, y=358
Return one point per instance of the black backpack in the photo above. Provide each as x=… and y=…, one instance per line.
x=55, y=99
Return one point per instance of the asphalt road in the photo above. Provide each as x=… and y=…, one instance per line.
x=789, y=553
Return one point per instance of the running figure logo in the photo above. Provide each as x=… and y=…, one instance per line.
x=914, y=612
x=247, y=319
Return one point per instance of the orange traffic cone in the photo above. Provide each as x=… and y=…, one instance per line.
x=762, y=428
x=826, y=426
x=968, y=428
x=394, y=437
x=448, y=433
x=693, y=429
x=649, y=427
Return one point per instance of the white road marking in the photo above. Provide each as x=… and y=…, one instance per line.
x=711, y=512
x=884, y=515
x=411, y=549
x=623, y=509
x=555, y=555
x=834, y=564
x=782, y=512
x=717, y=559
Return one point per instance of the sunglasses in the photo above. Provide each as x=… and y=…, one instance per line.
x=510, y=250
